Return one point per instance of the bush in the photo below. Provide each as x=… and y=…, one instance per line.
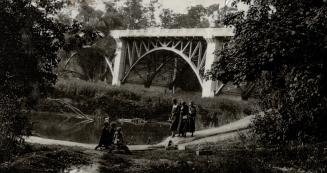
x=75, y=88
x=14, y=125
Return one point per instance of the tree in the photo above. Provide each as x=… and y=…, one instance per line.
x=281, y=45
x=134, y=14
x=167, y=18
x=152, y=8
x=195, y=18
x=218, y=14
x=90, y=43
x=28, y=56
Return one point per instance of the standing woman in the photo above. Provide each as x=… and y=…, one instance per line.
x=192, y=116
x=183, y=119
x=174, y=117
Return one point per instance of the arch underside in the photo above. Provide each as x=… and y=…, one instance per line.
x=192, y=51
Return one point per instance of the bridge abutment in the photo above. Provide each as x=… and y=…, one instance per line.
x=119, y=63
x=213, y=44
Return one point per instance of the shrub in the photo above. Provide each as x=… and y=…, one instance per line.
x=75, y=88
x=14, y=125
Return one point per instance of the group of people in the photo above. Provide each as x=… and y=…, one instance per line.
x=182, y=118
x=110, y=136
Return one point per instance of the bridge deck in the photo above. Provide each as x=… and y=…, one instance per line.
x=157, y=32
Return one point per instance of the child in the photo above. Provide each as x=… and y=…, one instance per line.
x=118, y=137
x=120, y=147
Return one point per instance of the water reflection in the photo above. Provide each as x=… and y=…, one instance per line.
x=94, y=168
x=72, y=128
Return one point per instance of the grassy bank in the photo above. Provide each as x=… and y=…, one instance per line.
x=38, y=159
x=130, y=101
x=225, y=158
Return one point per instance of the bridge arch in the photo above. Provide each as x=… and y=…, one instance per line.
x=195, y=46
x=177, y=52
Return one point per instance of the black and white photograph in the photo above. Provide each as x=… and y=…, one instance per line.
x=163, y=86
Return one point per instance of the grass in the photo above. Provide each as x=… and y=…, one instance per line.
x=163, y=161
x=39, y=158
x=154, y=100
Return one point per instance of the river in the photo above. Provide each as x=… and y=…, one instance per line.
x=76, y=129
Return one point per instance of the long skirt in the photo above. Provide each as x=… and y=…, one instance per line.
x=191, y=125
x=182, y=128
x=174, y=124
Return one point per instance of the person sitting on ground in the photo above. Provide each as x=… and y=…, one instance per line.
x=105, y=137
x=119, y=142
x=112, y=133
x=118, y=137
x=171, y=146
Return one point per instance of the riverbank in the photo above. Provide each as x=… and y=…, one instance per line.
x=225, y=157
x=135, y=101
x=39, y=158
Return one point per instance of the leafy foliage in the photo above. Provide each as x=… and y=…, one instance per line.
x=195, y=18
x=134, y=13
x=281, y=44
x=30, y=39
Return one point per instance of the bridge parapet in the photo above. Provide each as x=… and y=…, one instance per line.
x=194, y=32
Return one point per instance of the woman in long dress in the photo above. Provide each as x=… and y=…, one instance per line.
x=192, y=116
x=182, y=128
x=174, y=117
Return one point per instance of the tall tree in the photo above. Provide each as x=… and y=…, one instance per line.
x=28, y=56
x=91, y=43
x=218, y=13
x=152, y=8
x=167, y=18
x=134, y=13
x=194, y=18
x=282, y=46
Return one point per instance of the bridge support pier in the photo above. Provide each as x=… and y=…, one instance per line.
x=119, y=63
x=209, y=86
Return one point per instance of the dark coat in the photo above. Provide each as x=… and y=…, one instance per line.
x=175, y=112
x=191, y=119
x=105, y=137
x=183, y=119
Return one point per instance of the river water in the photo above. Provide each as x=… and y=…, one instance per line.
x=94, y=168
x=69, y=127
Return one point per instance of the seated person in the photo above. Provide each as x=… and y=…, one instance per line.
x=119, y=142
x=171, y=146
x=107, y=136
x=118, y=137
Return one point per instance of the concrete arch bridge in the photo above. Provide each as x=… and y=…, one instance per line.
x=195, y=46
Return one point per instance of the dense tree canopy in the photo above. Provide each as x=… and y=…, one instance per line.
x=281, y=45
x=30, y=39
x=196, y=17
x=134, y=14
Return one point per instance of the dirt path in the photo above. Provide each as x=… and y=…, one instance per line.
x=228, y=131
x=45, y=141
